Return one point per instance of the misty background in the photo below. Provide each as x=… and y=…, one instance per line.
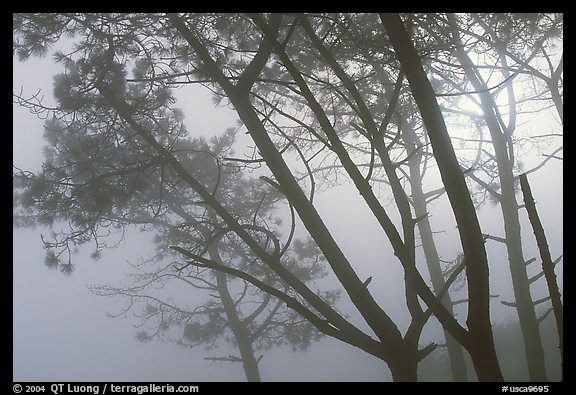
x=62, y=331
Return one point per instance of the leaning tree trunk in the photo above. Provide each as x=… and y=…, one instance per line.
x=547, y=265
x=520, y=280
x=480, y=342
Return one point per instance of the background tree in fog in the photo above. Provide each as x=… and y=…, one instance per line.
x=304, y=107
x=256, y=320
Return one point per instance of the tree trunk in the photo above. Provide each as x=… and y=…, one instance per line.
x=547, y=264
x=480, y=342
x=405, y=368
x=557, y=99
x=241, y=333
x=455, y=351
x=520, y=282
x=554, y=91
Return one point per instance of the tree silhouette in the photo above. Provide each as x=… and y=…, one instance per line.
x=313, y=116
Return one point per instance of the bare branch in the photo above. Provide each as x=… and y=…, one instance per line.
x=478, y=91
x=229, y=358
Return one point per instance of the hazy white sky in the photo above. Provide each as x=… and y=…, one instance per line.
x=61, y=331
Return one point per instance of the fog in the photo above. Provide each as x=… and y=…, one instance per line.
x=63, y=332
